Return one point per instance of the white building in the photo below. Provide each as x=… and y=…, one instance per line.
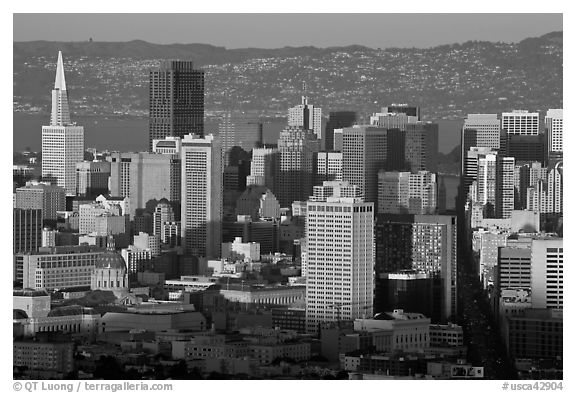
x=201, y=195
x=62, y=140
x=547, y=264
x=521, y=122
x=263, y=168
x=135, y=258
x=340, y=259
x=328, y=166
x=307, y=116
x=169, y=145
x=405, y=192
x=249, y=251
x=554, y=128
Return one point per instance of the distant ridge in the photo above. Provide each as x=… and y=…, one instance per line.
x=204, y=53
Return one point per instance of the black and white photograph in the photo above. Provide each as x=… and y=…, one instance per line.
x=287, y=196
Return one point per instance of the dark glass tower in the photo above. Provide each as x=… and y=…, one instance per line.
x=176, y=100
x=337, y=120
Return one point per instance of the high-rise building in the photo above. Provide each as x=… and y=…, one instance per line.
x=520, y=122
x=337, y=120
x=364, y=153
x=27, y=230
x=163, y=212
x=297, y=146
x=547, y=273
x=405, y=192
x=49, y=198
x=421, y=146
x=424, y=243
x=92, y=178
x=504, y=186
x=201, y=195
x=62, y=140
x=328, y=166
x=176, y=100
x=241, y=130
x=527, y=148
x=486, y=179
x=554, y=126
x=142, y=177
x=264, y=168
x=169, y=145
x=470, y=165
x=480, y=130
x=545, y=195
x=340, y=259
x=306, y=116
x=259, y=203
x=393, y=119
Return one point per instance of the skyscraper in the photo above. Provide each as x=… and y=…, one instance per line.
x=328, y=166
x=547, y=264
x=554, y=130
x=337, y=120
x=504, y=186
x=144, y=176
x=176, y=100
x=480, y=130
x=49, y=198
x=62, y=140
x=364, y=152
x=426, y=243
x=92, y=178
x=241, y=130
x=307, y=116
x=405, y=192
x=340, y=259
x=201, y=195
x=264, y=168
x=421, y=146
x=520, y=122
x=297, y=146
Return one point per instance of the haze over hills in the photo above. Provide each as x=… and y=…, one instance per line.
x=448, y=81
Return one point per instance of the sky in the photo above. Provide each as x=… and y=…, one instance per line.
x=376, y=30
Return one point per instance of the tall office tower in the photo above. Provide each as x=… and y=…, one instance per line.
x=396, y=154
x=521, y=122
x=143, y=176
x=405, y=192
x=337, y=120
x=364, y=153
x=426, y=243
x=145, y=241
x=49, y=198
x=202, y=195
x=306, y=116
x=328, y=166
x=513, y=268
x=547, y=273
x=176, y=100
x=264, y=168
x=525, y=176
x=421, y=146
x=554, y=132
x=486, y=180
x=236, y=129
x=27, y=230
x=62, y=140
x=259, y=203
x=92, y=178
x=504, y=186
x=340, y=259
x=338, y=139
x=527, y=148
x=392, y=120
x=470, y=165
x=480, y=130
x=545, y=195
x=297, y=146
x=163, y=212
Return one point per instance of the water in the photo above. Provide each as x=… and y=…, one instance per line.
x=131, y=134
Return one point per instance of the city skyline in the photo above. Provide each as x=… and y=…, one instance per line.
x=291, y=216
